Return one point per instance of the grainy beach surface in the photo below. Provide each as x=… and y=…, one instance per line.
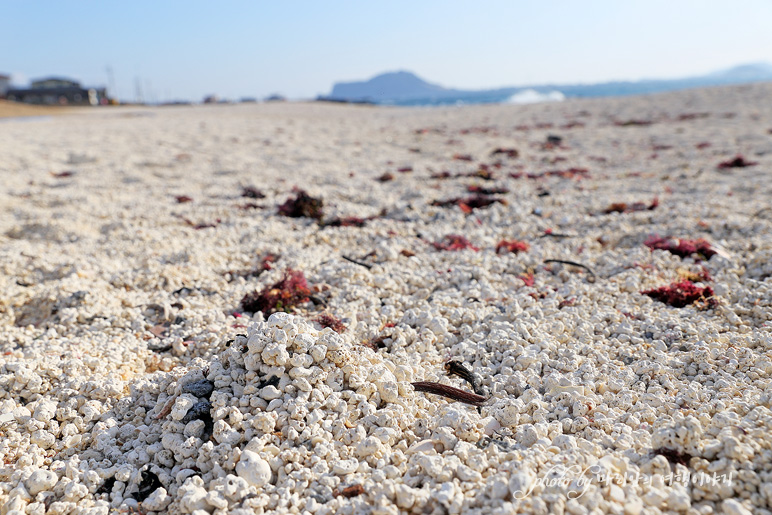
x=517, y=240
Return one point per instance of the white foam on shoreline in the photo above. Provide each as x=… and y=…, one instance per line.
x=531, y=96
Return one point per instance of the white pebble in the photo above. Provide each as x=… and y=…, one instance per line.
x=253, y=469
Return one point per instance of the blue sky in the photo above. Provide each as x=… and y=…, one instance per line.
x=187, y=49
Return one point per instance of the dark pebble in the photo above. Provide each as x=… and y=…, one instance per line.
x=198, y=411
x=201, y=388
x=149, y=484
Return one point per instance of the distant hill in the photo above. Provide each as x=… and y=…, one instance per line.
x=406, y=88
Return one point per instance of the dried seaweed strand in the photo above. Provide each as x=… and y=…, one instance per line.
x=352, y=260
x=557, y=235
x=450, y=392
x=456, y=368
x=573, y=263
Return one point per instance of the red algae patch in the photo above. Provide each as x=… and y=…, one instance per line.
x=469, y=204
x=482, y=190
x=252, y=192
x=327, y=320
x=386, y=177
x=511, y=153
x=623, y=207
x=347, y=221
x=681, y=293
x=738, y=162
x=511, y=246
x=303, y=205
x=682, y=247
x=287, y=293
x=528, y=279
x=454, y=242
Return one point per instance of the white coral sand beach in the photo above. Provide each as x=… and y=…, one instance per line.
x=133, y=377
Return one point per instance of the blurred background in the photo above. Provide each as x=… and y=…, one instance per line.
x=451, y=51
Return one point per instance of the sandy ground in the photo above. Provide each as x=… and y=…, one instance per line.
x=16, y=109
x=134, y=374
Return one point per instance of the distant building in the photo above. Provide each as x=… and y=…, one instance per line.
x=58, y=91
x=5, y=83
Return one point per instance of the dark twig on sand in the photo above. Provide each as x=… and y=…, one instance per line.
x=557, y=235
x=450, y=392
x=455, y=368
x=360, y=263
x=572, y=263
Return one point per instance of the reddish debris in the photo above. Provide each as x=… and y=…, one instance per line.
x=482, y=190
x=469, y=204
x=633, y=123
x=407, y=252
x=570, y=173
x=182, y=199
x=290, y=291
x=265, y=262
x=682, y=293
x=477, y=130
x=385, y=177
x=263, y=265
x=333, y=323
x=483, y=173
x=511, y=153
x=508, y=246
x=682, y=247
x=567, y=302
x=62, y=175
x=405, y=169
x=696, y=277
x=201, y=225
x=249, y=205
x=441, y=175
x=528, y=279
x=303, y=205
x=674, y=456
x=454, y=242
x=462, y=157
x=704, y=144
x=251, y=192
x=348, y=221
x=375, y=343
x=691, y=116
x=428, y=130
x=349, y=491
x=738, y=162
x=623, y=207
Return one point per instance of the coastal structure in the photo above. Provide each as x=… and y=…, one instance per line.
x=56, y=90
x=5, y=83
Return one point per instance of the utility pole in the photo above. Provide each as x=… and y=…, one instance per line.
x=112, y=92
